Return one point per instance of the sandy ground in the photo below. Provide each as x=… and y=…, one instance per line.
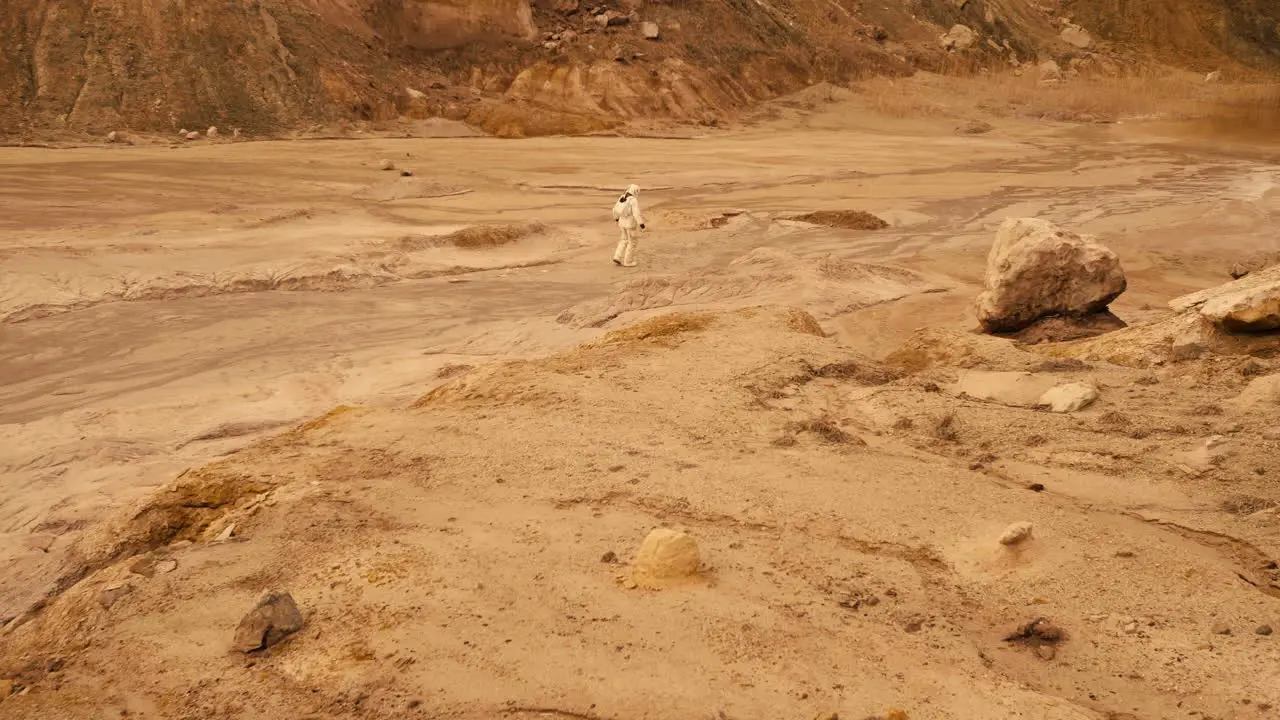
x=165, y=308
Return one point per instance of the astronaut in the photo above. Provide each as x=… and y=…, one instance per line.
x=630, y=222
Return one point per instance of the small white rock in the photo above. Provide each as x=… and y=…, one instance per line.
x=1016, y=533
x=211, y=132
x=1069, y=398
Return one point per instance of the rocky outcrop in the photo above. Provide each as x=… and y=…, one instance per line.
x=1250, y=304
x=959, y=37
x=1038, y=270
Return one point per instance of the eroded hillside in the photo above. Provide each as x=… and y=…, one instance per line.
x=77, y=67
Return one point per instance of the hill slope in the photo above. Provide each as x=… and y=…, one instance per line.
x=264, y=66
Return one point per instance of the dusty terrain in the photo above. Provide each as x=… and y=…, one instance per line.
x=432, y=410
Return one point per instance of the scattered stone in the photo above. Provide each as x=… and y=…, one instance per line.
x=1263, y=630
x=1049, y=71
x=959, y=37
x=914, y=625
x=1253, y=263
x=1016, y=533
x=193, y=135
x=226, y=533
x=1036, y=269
x=274, y=618
x=1221, y=629
x=386, y=165
x=144, y=566
x=183, y=132
x=1046, y=652
x=112, y=594
x=406, y=173
x=650, y=30
x=1213, y=77
x=609, y=557
x=211, y=132
x=827, y=716
x=1125, y=554
x=1069, y=398
x=167, y=566
x=1037, y=632
x=665, y=556
x=896, y=714
x=112, y=136
x=1036, y=487
x=1076, y=36
x=40, y=542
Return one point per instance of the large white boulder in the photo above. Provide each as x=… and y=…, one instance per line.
x=1036, y=269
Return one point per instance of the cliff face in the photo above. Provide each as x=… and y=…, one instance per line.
x=89, y=66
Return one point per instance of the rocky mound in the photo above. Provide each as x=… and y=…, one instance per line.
x=893, y=541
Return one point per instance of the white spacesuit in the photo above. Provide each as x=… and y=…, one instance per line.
x=630, y=222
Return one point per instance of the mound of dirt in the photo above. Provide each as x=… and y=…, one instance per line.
x=847, y=219
x=412, y=541
x=827, y=286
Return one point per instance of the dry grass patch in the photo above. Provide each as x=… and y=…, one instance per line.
x=846, y=219
x=826, y=430
x=659, y=327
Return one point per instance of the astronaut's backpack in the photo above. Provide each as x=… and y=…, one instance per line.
x=620, y=207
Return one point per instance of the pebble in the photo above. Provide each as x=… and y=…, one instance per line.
x=1221, y=629
x=112, y=594
x=40, y=542
x=1016, y=533
x=1263, y=630
x=1036, y=487
x=1046, y=652
x=167, y=566
x=274, y=618
x=212, y=132
x=609, y=557
x=386, y=165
